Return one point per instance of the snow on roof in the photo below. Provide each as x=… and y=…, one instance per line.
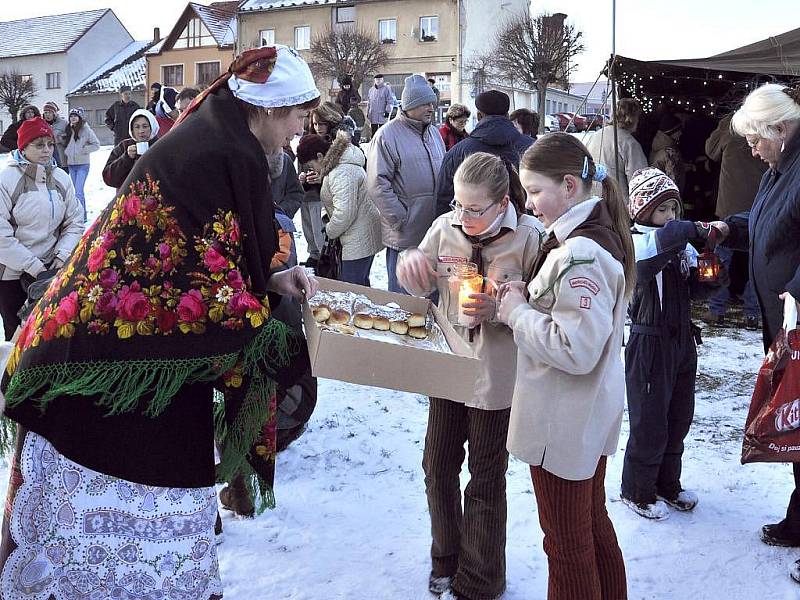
x=44, y=35
x=272, y=4
x=156, y=48
x=220, y=18
x=127, y=67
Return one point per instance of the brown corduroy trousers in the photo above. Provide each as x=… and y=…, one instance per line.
x=584, y=558
x=470, y=545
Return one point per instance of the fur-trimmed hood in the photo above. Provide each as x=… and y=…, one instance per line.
x=342, y=151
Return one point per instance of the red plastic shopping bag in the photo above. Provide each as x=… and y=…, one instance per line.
x=772, y=431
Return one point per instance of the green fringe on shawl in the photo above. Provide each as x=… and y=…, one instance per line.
x=120, y=385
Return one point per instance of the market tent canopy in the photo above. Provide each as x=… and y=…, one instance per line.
x=706, y=84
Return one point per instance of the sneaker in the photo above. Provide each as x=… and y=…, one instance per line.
x=713, y=319
x=656, y=511
x=773, y=534
x=684, y=501
x=439, y=585
x=752, y=324
x=794, y=571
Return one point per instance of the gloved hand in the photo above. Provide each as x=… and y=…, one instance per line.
x=709, y=232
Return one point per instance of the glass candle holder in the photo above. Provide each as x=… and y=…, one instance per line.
x=708, y=267
x=468, y=281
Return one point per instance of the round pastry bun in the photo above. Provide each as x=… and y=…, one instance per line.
x=419, y=333
x=338, y=317
x=399, y=327
x=416, y=320
x=363, y=321
x=321, y=313
x=380, y=323
x=344, y=328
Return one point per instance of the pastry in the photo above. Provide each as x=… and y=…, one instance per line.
x=399, y=327
x=344, y=328
x=363, y=321
x=419, y=333
x=338, y=317
x=380, y=323
x=416, y=320
x=321, y=313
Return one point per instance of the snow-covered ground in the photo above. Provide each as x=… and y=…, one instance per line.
x=352, y=522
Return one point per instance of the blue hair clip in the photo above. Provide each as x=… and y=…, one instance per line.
x=600, y=172
x=585, y=172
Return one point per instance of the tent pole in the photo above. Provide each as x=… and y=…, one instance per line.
x=613, y=77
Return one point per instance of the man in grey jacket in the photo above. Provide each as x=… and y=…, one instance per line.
x=404, y=190
x=380, y=102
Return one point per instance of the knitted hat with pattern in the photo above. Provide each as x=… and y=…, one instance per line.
x=648, y=188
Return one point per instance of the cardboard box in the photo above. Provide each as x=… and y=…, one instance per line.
x=387, y=365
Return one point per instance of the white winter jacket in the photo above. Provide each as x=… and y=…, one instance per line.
x=353, y=217
x=78, y=151
x=631, y=155
x=40, y=217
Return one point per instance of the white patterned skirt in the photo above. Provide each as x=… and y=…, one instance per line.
x=83, y=535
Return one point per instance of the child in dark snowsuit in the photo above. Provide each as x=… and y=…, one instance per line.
x=660, y=357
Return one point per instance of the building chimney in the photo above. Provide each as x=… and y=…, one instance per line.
x=156, y=34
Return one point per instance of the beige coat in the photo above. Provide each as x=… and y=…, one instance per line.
x=631, y=155
x=509, y=258
x=353, y=217
x=570, y=387
x=40, y=218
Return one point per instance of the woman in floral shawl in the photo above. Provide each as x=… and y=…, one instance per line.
x=165, y=300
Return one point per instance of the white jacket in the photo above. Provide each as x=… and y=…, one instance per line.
x=570, y=388
x=78, y=151
x=40, y=218
x=353, y=217
x=631, y=155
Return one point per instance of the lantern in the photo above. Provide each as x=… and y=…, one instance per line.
x=466, y=280
x=708, y=267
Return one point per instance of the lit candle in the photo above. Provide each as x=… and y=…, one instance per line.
x=468, y=286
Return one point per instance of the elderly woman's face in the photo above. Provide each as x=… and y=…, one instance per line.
x=764, y=148
x=277, y=130
x=459, y=124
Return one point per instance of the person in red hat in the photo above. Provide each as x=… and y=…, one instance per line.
x=41, y=220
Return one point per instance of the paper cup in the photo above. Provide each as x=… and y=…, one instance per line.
x=142, y=147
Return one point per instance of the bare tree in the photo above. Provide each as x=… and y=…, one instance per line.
x=537, y=51
x=15, y=92
x=347, y=50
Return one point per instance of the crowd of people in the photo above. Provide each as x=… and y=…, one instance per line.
x=571, y=240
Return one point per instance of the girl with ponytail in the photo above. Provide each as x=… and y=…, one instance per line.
x=487, y=227
x=570, y=386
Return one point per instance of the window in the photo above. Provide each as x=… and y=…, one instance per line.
x=99, y=116
x=172, y=75
x=428, y=29
x=387, y=31
x=207, y=72
x=25, y=78
x=346, y=14
x=267, y=37
x=53, y=80
x=302, y=37
x=547, y=103
x=194, y=35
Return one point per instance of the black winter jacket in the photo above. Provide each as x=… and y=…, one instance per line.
x=118, y=118
x=119, y=164
x=770, y=232
x=493, y=134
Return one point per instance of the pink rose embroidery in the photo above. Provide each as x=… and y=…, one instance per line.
x=96, y=259
x=235, y=280
x=133, y=305
x=215, y=262
x=67, y=309
x=106, y=306
x=191, y=307
x=240, y=303
x=108, y=278
x=131, y=207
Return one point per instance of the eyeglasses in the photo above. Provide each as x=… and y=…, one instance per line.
x=753, y=144
x=465, y=212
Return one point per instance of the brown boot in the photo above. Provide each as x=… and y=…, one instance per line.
x=236, y=498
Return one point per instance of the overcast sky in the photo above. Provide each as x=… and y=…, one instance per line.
x=646, y=29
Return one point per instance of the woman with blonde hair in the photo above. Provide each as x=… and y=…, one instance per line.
x=487, y=227
x=769, y=119
x=630, y=155
x=454, y=128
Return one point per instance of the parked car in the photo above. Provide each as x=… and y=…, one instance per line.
x=566, y=123
x=551, y=123
x=595, y=121
x=580, y=122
